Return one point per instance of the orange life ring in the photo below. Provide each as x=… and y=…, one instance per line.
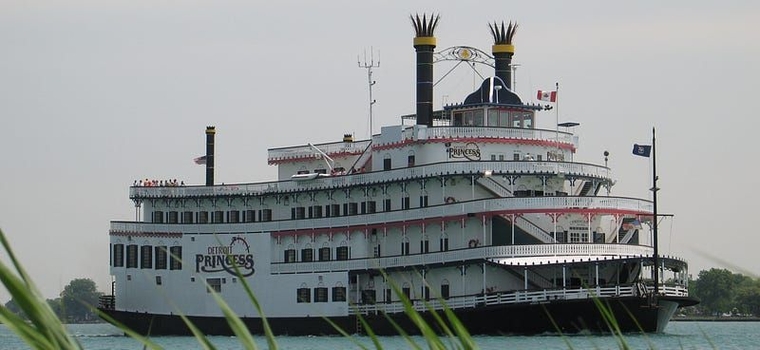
x=450, y=200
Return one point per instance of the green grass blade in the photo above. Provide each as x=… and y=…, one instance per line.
x=23, y=291
x=235, y=323
x=147, y=343
x=202, y=339
x=345, y=334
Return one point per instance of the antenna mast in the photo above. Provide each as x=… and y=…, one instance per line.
x=368, y=65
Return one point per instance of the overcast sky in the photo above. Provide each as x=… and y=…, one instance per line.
x=95, y=94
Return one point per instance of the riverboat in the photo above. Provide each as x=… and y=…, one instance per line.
x=470, y=208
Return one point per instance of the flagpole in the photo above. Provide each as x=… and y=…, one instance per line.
x=654, y=226
x=556, y=110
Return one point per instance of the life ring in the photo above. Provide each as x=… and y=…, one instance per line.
x=473, y=243
x=450, y=200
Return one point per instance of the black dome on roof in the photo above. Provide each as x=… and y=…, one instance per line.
x=487, y=93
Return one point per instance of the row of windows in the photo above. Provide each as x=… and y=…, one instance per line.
x=369, y=296
x=205, y=217
x=316, y=211
x=148, y=257
x=303, y=295
x=579, y=237
x=344, y=252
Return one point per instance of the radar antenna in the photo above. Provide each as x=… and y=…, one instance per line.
x=368, y=65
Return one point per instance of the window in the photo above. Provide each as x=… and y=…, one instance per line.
x=539, y=157
x=405, y=247
x=407, y=292
x=158, y=280
x=503, y=118
x=561, y=237
x=158, y=217
x=233, y=216
x=339, y=294
x=324, y=254
x=388, y=295
x=423, y=201
x=249, y=216
x=320, y=295
x=443, y=244
x=387, y=205
x=426, y=292
x=341, y=253
x=315, y=211
x=298, y=213
x=175, y=258
x=493, y=117
x=458, y=119
x=353, y=209
x=202, y=217
x=290, y=255
x=445, y=290
x=265, y=214
x=424, y=246
x=161, y=258
x=307, y=254
x=405, y=202
x=146, y=257
x=187, y=217
x=173, y=217
x=387, y=163
x=501, y=157
x=410, y=161
x=303, y=295
x=493, y=157
x=376, y=251
x=118, y=255
x=213, y=284
x=335, y=208
x=516, y=156
x=218, y=216
x=371, y=207
x=132, y=256
x=369, y=296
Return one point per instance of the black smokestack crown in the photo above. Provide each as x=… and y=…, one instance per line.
x=503, y=50
x=210, y=132
x=424, y=44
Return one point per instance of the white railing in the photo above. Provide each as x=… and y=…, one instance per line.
x=495, y=206
x=494, y=132
x=327, y=148
x=515, y=297
x=533, y=229
x=430, y=170
x=495, y=187
x=558, y=251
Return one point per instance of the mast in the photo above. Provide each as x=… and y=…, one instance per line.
x=654, y=226
x=368, y=66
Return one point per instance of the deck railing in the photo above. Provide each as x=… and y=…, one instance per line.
x=520, y=296
x=497, y=168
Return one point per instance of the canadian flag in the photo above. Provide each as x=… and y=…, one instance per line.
x=550, y=96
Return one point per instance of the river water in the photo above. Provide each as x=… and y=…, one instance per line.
x=678, y=335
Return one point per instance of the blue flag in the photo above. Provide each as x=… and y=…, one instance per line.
x=642, y=150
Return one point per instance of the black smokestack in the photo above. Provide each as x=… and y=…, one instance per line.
x=503, y=50
x=210, y=131
x=424, y=44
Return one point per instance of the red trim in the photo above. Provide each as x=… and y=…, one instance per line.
x=353, y=228
x=145, y=234
x=533, y=142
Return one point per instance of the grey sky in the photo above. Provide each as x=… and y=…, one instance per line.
x=96, y=94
